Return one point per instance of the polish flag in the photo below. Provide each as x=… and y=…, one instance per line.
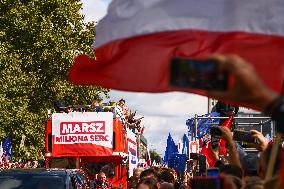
x=136, y=40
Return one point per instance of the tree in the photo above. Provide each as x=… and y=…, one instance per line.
x=38, y=42
x=155, y=156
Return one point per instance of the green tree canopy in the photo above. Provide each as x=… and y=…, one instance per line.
x=155, y=156
x=38, y=42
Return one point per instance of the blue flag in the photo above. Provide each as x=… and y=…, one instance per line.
x=7, y=148
x=178, y=162
x=185, y=146
x=171, y=149
x=203, y=125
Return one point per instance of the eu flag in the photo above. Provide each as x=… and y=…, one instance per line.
x=171, y=149
x=178, y=162
x=203, y=125
x=7, y=148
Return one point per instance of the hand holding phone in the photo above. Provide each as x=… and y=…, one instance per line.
x=244, y=136
x=197, y=74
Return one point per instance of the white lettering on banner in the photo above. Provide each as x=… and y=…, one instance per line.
x=94, y=127
x=70, y=139
x=82, y=128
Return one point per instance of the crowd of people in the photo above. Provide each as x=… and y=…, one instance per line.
x=120, y=110
x=22, y=165
x=238, y=169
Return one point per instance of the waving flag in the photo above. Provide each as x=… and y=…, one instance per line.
x=203, y=125
x=206, y=149
x=7, y=148
x=185, y=145
x=178, y=162
x=1, y=153
x=136, y=40
x=171, y=149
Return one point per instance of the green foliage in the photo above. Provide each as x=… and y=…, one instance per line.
x=38, y=42
x=155, y=156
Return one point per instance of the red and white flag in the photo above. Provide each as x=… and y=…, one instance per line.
x=136, y=40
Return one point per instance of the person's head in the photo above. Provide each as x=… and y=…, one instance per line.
x=148, y=173
x=167, y=185
x=95, y=103
x=148, y=183
x=125, y=111
x=166, y=176
x=226, y=109
x=249, y=164
x=101, y=176
x=121, y=102
x=69, y=109
x=137, y=172
x=219, y=163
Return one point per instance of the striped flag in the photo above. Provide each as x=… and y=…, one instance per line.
x=136, y=40
x=1, y=153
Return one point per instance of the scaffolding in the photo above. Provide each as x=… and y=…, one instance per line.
x=261, y=123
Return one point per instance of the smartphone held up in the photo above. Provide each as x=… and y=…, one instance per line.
x=197, y=74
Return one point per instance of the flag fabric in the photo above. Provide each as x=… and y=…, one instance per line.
x=228, y=123
x=171, y=149
x=1, y=153
x=7, y=148
x=185, y=145
x=206, y=149
x=178, y=162
x=203, y=125
x=136, y=41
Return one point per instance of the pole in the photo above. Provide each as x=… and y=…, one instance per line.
x=138, y=146
x=77, y=162
x=261, y=126
x=195, y=123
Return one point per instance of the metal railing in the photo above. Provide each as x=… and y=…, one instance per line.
x=262, y=120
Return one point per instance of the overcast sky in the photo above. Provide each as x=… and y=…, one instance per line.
x=164, y=112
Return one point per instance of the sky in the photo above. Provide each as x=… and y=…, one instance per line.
x=163, y=113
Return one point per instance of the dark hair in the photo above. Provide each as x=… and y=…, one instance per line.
x=152, y=183
x=59, y=105
x=148, y=172
x=233, y=170
x=121, y=100
x=225, y=109
x=249, y=164
x=166, y=176
x=219, y=163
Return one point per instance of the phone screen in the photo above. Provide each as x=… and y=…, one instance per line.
x=243, y=136
x=197, y=74
x=212, y=172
